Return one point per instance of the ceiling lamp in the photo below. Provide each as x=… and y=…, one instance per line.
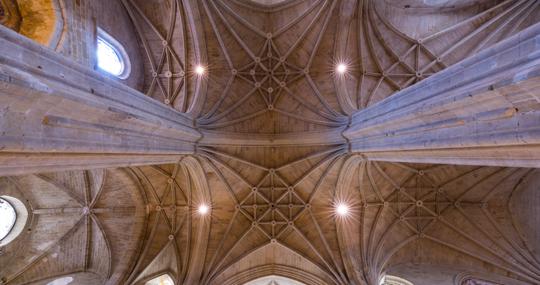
x=200, y=70
x=203, y=209
x=341, y=68
x=342, y=209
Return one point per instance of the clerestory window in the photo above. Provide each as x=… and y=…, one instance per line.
x=164, y=279
x=111, y=56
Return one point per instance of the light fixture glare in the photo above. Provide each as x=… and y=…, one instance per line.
x=203, y=209
x=342, y=209
x=200, y=70
x=341, y=68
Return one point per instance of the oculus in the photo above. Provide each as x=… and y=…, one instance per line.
x=8, y=218
x=13, y=217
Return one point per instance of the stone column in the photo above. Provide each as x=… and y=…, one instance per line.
x=484, y=110
x=57, y=115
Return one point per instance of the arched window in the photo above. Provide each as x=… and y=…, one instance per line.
x=13, y=216
x=164, y=279
x=111, y=56
x=9, y=216
x=61, y=281
x=274, y=280
x=394, y=280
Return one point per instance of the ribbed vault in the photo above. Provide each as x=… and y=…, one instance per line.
x=83, y=224
x=272, y=162
x=271, y=76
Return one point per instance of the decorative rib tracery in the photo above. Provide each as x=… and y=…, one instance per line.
x=272, y=205
x=170, y=207
x=87, y=232
x=398, y=205
x=269, y=72
x=166, y=49
x=389, y=60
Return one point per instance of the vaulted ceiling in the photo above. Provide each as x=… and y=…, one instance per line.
x=272, y=162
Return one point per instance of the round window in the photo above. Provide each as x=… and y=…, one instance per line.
x=13, y=216
x=9, y=216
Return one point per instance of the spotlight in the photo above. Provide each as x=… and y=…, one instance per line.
x=200, y=70
x=341, y=68
x=342, y=209
x=203, y=209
